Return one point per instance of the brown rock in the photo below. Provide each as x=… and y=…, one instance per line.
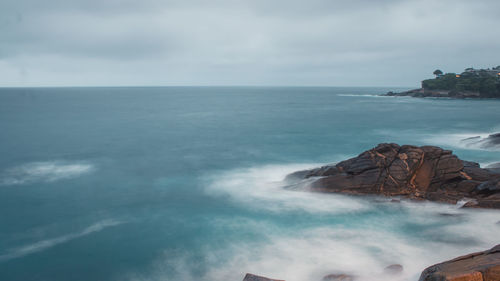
x=480, y=266
x=426, y=172
x=252, y=277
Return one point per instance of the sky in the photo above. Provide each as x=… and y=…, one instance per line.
x=252, y=42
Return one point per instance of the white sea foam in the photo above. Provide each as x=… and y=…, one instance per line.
x=314, y=253
x=44, y=172
x=51, y=242
x=264, y=188
x=311, y=253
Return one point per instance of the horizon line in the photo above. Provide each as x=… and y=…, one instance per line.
x=218, y=86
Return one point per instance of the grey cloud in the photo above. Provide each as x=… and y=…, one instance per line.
x=317, y=42
x=84, y=35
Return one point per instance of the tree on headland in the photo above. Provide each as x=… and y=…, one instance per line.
x=437, y=72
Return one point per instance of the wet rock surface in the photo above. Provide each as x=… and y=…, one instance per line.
x=426, y=172
x=490, y=142
x=480, y=266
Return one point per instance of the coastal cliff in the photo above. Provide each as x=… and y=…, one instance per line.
x=471, y=83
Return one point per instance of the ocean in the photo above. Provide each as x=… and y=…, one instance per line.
x=185, y=183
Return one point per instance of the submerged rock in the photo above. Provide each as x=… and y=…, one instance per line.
x=393, y=269
x=480, y=266
x=426, y=172
x=252, y=277
x=490, y=142
x=338, y=277
x=493, y=139
x=495, y=168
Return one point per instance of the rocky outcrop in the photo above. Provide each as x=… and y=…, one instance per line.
x=424, y=93
x=426, y=172
x=490, y=142
x=252, y=277
x=481, y=266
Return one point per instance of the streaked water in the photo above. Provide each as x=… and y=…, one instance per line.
x=184, y=183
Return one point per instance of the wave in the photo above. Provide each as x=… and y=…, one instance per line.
x=311, y=253
x=44, y=172
x=49, y=243
x=264, y=187
x=314, y=253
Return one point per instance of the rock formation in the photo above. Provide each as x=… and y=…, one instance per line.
x=481, y=266
x=252, y=277
x=490, y=142
x=425, y=172
x=426, y=93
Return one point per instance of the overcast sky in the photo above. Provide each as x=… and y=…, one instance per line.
x=253, y=42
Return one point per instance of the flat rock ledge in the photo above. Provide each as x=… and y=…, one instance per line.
x=408, y=171
x=480, y=266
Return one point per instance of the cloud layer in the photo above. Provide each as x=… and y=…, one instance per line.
x=224, y=42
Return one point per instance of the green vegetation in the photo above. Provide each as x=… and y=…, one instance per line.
x=437, y=72
x=484, y=81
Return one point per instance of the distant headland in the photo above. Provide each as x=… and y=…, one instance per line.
x=471, y=83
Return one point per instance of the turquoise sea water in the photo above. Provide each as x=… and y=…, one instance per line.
x=184, y=183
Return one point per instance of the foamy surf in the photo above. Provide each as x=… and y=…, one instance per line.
x=302, y=252
x=310, y=253
x=265, y=188
x=44, y=172
x=51, y=242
